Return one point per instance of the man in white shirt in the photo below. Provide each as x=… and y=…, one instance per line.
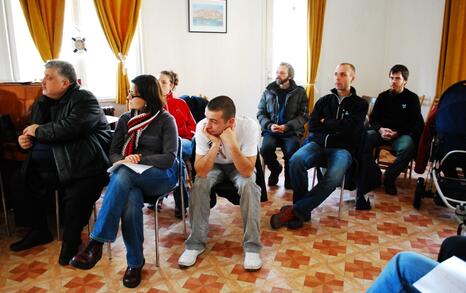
x=225, y=146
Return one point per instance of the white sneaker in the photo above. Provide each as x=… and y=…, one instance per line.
x=252, y=261
x=189, y=256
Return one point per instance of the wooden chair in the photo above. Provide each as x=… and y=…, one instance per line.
x=384, y=157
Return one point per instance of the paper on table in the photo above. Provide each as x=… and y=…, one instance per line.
x=449, y=276
x=138, y=168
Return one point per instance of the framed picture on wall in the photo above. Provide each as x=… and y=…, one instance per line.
x=207, y=16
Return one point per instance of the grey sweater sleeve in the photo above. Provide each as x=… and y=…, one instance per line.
x=166, y=158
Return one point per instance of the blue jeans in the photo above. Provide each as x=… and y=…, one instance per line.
x=187, y=149
x=124, y=200
x=403, y=270
x=403, y=147
x=310, y=155
x=289, y=146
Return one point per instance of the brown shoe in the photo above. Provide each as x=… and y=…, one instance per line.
x=281, y=219
x=132, y=277
x=87, y=258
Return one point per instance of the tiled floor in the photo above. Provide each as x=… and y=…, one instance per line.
x=326, y=255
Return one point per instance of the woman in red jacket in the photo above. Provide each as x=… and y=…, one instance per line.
x=179, y=109
x=184, y=121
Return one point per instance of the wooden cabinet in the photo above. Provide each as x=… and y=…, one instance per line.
x=16, y=100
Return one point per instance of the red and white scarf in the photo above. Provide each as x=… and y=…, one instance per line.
x=136, y=126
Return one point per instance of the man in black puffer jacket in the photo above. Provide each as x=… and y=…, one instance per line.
x=67, y=143
x=335, y=127
x=282, y=113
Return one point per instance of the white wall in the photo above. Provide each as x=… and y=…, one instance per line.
x=372, y=34
x=375, y=35
x=210, y=64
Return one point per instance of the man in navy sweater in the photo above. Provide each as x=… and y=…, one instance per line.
x=396, y=120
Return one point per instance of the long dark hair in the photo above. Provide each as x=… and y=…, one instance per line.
x=149, y=90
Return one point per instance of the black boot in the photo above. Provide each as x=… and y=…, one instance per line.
x=68, y=250
x=274, y=173
x=362, y=204
x=34, y=238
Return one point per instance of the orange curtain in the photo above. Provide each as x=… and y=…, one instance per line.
x=452, y=64
x=119, y=19
x=45, y=22
x=315, y=24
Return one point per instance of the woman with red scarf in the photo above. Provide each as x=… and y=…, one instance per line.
x=146, y=135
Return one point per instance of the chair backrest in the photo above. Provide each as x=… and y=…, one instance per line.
x=227, y=189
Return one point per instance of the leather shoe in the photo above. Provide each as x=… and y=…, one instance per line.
x=132, y=277
x=87, y=258
x=67, y=252
x=273, y=178
x=363, y=204
x=33, y=238
x=390, y=188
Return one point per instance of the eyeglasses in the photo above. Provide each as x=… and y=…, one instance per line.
x=132, y=95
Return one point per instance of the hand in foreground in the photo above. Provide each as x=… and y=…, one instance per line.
x=278, y=128
x=31, y=130
x=228, y=137
x=25, y=141
x=214, y=139
x=135, y=158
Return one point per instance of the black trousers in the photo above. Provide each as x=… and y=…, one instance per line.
x=77, y=200
x=453, y=246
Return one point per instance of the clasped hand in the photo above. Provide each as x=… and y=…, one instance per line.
x=387, y=133
x=134, y=158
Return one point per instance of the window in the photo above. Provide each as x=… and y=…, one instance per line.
x=289, y=36
x=96, y=67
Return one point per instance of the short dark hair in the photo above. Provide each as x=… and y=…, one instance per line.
x=65, y=69
x=149, y=90
x=224, y=104
x=400, y=68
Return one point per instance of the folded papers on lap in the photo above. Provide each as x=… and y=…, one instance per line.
x=449, y=276
x=138, y=168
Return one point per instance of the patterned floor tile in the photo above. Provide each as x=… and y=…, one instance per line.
x=323, y=282
x=328, y=254
x=205, y=283
x=28, y=271
x=292, y=258
x=362, y=269
x=88, y=283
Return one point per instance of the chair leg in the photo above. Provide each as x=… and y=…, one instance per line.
x=57, y=214
x=183, y=212
x=109, y=248
x=342, y=189
x=94, y=209
x=5, y=212
x=156, y=215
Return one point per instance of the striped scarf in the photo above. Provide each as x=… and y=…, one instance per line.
x=136, y=126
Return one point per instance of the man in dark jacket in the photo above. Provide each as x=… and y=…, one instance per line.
x=282, y=113
x=67, y=145
x=396, y=120
x=335, y=128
